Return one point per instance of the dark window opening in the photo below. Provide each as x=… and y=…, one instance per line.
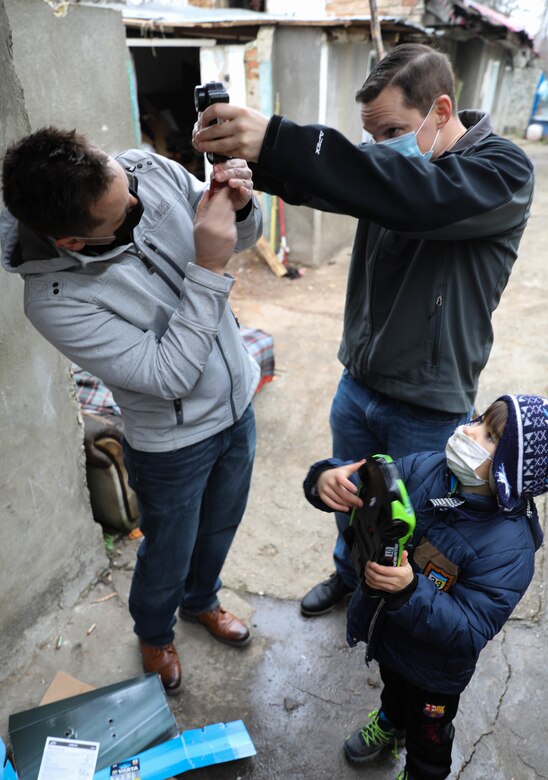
x=166, y=77
x=250, y=5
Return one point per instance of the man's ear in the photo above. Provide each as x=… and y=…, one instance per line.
x=443, y=110
x=72, y=244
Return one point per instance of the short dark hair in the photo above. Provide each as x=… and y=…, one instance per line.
x=495, y=417
x=421, y=73
x=50, y=180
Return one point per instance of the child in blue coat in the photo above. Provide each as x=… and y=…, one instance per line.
x=468, y=564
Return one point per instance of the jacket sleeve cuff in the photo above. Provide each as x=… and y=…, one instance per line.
x=396, y=600
x=271, y=135
x=249, y=226
x=220, y=283
x=244, y=213
x=309, y=484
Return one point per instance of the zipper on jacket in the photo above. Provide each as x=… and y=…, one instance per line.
x=152, y=268
x=225, y=361
x=436, y=340
x=437, y=314
x=178, y=404
x=375, y=255
x=144, y=259
x=165, y=257
x=372, y=624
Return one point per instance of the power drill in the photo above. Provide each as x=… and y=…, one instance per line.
x=205, y=95
x=380, y=529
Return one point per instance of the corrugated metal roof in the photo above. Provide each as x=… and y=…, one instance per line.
x=174, y=14
x=494, y=17
x=468, y=14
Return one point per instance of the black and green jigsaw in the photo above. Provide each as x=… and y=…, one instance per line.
x=380, y=529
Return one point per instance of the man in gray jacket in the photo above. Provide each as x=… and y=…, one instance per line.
x=124, y=263
x=442, y=203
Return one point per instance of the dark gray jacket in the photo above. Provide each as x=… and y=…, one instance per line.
x=433, y=251
x=144, y=318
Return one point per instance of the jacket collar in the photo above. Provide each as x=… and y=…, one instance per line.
x=26, y=252
x=478, y=128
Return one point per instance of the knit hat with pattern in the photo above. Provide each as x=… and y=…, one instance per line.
x=520, y=463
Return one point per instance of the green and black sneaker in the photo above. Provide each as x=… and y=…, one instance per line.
x=368, y=742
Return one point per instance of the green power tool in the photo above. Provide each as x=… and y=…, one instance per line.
x=380, y=529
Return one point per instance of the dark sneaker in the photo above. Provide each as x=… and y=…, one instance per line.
x=324, y=596
x=368, y=742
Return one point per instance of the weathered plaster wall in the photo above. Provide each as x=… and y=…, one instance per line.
x=521, y=98
x=347, y=70
x=72, y=72
x=335, y=71
x=513, y=99
x=298, y=51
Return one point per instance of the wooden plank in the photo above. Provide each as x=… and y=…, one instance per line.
x=265, y=252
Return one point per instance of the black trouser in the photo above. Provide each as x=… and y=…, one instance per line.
x=427, y=718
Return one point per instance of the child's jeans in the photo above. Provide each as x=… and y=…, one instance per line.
x=427, y=718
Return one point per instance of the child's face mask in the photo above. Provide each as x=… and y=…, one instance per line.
x=464, y=455
x=407, y=145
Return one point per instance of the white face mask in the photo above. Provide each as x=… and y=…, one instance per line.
x=464, y=455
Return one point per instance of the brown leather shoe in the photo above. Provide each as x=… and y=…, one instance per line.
x=222, y=625
x=163, y=661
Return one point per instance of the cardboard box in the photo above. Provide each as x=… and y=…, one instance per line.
x=130, y=720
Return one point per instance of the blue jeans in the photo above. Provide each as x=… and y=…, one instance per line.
x=364, y=423
x=191, y=502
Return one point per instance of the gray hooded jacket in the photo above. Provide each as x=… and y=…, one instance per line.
x=144, y=318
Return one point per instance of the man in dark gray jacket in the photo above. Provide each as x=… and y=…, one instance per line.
x=442, y=203
x=124, y=262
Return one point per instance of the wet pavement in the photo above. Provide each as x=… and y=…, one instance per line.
x=298, y=687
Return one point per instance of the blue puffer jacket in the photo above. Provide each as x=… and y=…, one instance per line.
x=473, y=564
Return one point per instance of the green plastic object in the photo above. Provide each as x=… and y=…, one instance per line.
x=380, y=529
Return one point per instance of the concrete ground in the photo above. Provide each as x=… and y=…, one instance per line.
x=298, y=687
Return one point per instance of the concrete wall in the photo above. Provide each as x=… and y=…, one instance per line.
x=521, y=98
x=336, y=70
x=513, y=99
x=346, y=72
x=70, y=71
x=74, y=70
x=467, y=59
x=298, y=51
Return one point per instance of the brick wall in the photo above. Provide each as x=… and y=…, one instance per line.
x=207, y=3
x=407, y=9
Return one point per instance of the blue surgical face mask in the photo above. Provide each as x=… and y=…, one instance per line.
x=407, y=145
